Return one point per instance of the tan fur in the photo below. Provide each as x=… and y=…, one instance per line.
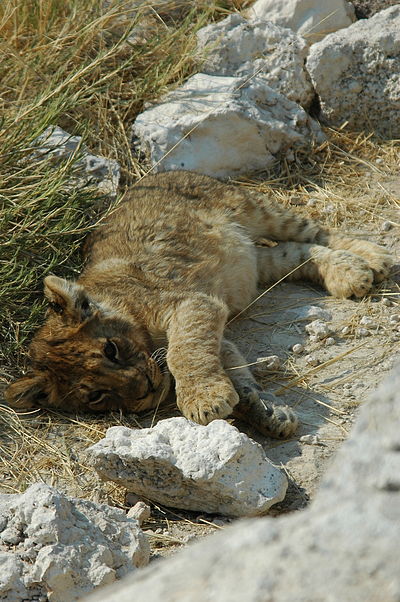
x=165, y=270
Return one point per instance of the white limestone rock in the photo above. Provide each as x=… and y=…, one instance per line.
x=235, y=46
x=223, y=127
x=178, y=463
x=56, y=145
x=312, y=19
x=57, y=548
x=356, y=74
x=318, y=329
x=345, y=546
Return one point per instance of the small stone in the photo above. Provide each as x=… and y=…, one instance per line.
x=379, y=161
x=363, y=332
x=140, y=511
x=367, y=321
x=330, y=341
x=394, y=318
x=219, y=522
x=271, y=363
x=319, y=329
x=310, y=439
x=58, y=146
x=386, y=226
x=387, y=302
x=346, y=330
x=298, y=348
x=312, y=360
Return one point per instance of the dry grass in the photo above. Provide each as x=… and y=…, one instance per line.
x=61, y=64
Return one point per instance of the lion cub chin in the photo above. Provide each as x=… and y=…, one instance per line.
x=163, y=273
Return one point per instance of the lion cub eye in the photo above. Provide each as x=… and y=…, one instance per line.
x=110, y=350
x=95, y=396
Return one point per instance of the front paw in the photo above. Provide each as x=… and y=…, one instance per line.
x=279, y=420
x=207, y=401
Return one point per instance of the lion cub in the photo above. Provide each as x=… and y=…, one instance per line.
x=166, y=269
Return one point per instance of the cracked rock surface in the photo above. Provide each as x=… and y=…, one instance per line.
x=235, y=46
x=355, y=73
x=223, y=126
x=56, y=548
x=178, y=463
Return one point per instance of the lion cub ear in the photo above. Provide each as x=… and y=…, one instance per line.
x=68, y=299
x=27, y=392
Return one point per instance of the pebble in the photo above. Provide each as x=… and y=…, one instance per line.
x=311, y=440
x=345, y=330
x=270, y=362
x=330, y=341
x=219, y=522
x=386, y=226
x=318, y=329
x=394, y=318
x=312, y=360
x=298, y=348
x=363, y=332
x=387, y=302
x=367, y=321
x=140, y=511
x=266, y=364
x=379, y=161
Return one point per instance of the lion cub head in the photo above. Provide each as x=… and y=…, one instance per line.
x=88, y=358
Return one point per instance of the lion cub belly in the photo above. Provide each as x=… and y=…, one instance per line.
x=238, y=269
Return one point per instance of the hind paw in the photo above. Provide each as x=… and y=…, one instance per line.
x=378, y=258
x=347, y=274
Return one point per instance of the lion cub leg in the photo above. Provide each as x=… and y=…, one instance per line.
x=266, y=218
x=254, y=407
x=203, y=390
x=341, y=273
